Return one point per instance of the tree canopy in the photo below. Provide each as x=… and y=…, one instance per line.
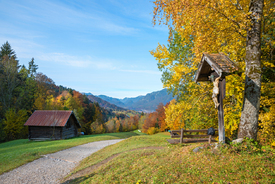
x=216, y=26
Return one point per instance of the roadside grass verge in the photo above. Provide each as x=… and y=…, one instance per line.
x=18, y=152
x=176, y=164
x=158, y=140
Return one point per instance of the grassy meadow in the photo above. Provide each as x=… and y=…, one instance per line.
x=139, y=159
x=18, y=152
x=151, y=159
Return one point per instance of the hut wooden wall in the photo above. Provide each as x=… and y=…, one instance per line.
x=44, y=132
x=70, y=130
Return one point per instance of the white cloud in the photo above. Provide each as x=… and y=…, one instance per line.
x=57, y=14
x=65, y=59
x=75, y=61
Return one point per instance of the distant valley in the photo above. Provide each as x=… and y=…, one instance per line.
x=147, y=103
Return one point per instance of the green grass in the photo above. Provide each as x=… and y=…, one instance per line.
x=158, y=140
x=127, y=112
x=139, y=133
x=16, y=153
x=177, y=164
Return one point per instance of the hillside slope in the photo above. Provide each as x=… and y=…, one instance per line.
x=112, y=100
x=151, y=101
x=104, y=103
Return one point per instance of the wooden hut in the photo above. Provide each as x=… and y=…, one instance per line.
x=52, y=124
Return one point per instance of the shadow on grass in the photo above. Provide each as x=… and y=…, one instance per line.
x=79, y=179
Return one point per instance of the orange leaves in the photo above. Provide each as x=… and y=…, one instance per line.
x=161, y=117
x=150, y=121
x=155, y=121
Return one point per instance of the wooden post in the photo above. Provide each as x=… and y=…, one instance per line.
x=181, y=135
x=210, y=136
x=220, y=110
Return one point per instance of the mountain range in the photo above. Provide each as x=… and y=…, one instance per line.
x=147, y=103
x=103, y=103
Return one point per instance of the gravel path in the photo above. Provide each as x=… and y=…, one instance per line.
x=53, y=167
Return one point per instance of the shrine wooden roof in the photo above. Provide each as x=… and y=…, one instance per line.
x=219, y=63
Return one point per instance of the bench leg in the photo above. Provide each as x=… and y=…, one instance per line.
x=210, y=136
x=181, y=135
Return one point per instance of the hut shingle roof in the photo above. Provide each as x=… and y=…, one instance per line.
x=50, y=118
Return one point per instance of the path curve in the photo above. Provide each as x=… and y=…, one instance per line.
x=51, y=168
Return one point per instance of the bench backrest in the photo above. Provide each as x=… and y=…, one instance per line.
x=177, y=133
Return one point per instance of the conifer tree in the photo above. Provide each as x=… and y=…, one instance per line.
x=7, y=50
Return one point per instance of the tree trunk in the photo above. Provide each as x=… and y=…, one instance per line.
x=249, y=119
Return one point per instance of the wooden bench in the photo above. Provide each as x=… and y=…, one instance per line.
x=199, y=138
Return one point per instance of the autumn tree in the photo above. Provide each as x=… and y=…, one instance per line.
x=230, y=27
x=45, y=87
x=88, y=118
x=111, y=125
x=150, y=121
x=194, y=106
x=252, y=92
x=161, y=117
x=14, y=124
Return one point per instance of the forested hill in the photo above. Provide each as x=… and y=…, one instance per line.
x=24, y=90
x=145, y=103
x=104, y=103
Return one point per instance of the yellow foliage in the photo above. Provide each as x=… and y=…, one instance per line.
x=39, y=103
x=14, y=124
x=152, y=130
x=267, y=128
x=211, y=26
x=174, y=115
x=97, y=127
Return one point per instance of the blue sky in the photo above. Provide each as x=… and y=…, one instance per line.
x=97, y=46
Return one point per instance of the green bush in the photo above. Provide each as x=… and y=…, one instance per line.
x=14, y=124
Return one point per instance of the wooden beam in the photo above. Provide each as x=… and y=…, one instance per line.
x=202, y=79
x=181, y=135
x=175, y=136
x=177, y=141
x=220, y=111
x=179, y=131
x=191, y=136
x=197, y=140
x=202, y=130
x=175, y=131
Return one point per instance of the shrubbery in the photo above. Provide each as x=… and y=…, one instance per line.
x=152, y=130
